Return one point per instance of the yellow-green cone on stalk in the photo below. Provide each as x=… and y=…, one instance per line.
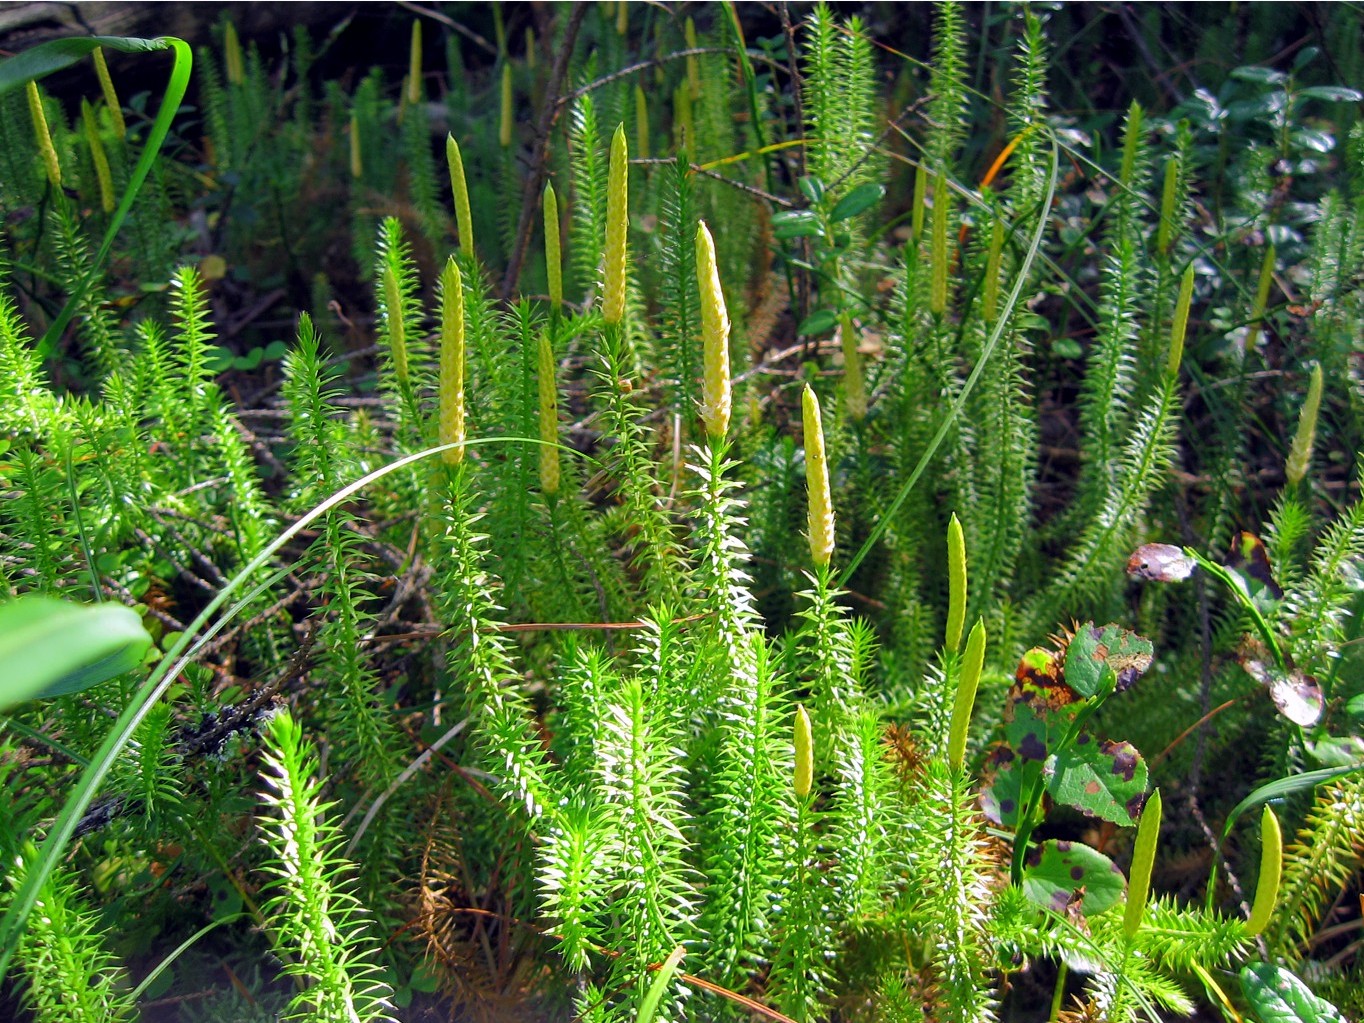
x=554, y=265
x=1143, y=858
x=504, y=134
x=98, y=157
x=617, y=219
x=452, y=362
x=1300, y=454
x=956, y=584
x=549, y=418
x=820, y=512
x=459, y=188
x=44, y=137
x=715, y=396
x=1180, y=326
x=233, y=64
x=1271, y=871
x=805, y=754
x=854, y=384
x=414, y=66
x=972, y=661
x=106, y=85
x=397, y=329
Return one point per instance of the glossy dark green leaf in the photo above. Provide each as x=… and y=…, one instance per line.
x=859, y=200
x=1060, y=875
x=796, y=224
x=1103, y=779
x=51, y=647
x=1277, y=996
x=811, y=187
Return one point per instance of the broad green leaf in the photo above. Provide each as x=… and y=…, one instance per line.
x=796, y=224
x=1277, y=996
x=821, y=321
x=57, y=54
x=1059, y=874
x=1262, y=75
x=1100, y=660
x=1286, y=787
x=1331, y=93
x=1103, y=779
x=51, y=647
x=860, y=199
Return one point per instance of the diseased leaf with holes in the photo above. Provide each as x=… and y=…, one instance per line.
x=1277, y=996
x=1249, y=563
x=1298, y=696
x=1102, y=779
x=1059, y=875
x=1039, y=687
x=1160, y=563
x=1108, y=659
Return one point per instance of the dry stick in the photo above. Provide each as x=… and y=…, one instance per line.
x=539, y=170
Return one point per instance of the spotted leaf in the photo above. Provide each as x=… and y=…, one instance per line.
x=1161, y=563
x=1102, y=779
x=1102, y=660
x=1058, y=875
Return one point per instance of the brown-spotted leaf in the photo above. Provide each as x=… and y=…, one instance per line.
x=1100, y=660
x=1101, y=779
x=1161, y=563
x=1058, y=874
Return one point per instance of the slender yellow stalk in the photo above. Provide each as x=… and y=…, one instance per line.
x=1143, y=858
x=617, y=219
x=504, y=132
x=1257, y=311
x=414, y=65
x=397, y=329
x=942, y=204
x=357, y=161
x=233, y=64
x=1271, y=871
x=554, y=265
x=549, y=418
x=530, y=48
x=693, y=64
x=1180, y=325
x=106, y=85
x=1129, y=148
x=45, y=147
x=451, y=361
x=990, y=301
x=459, y=188
x=805, y=754
x=715, y=396
x=641, y=124
x=682, y=120
x=622, y=17
x=1300, y=454
x=1165, y=232
x=956, y=584
x=98, y=157
x=820, y=512
x=854, y=385
x=972, y=661
x=920, y=201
